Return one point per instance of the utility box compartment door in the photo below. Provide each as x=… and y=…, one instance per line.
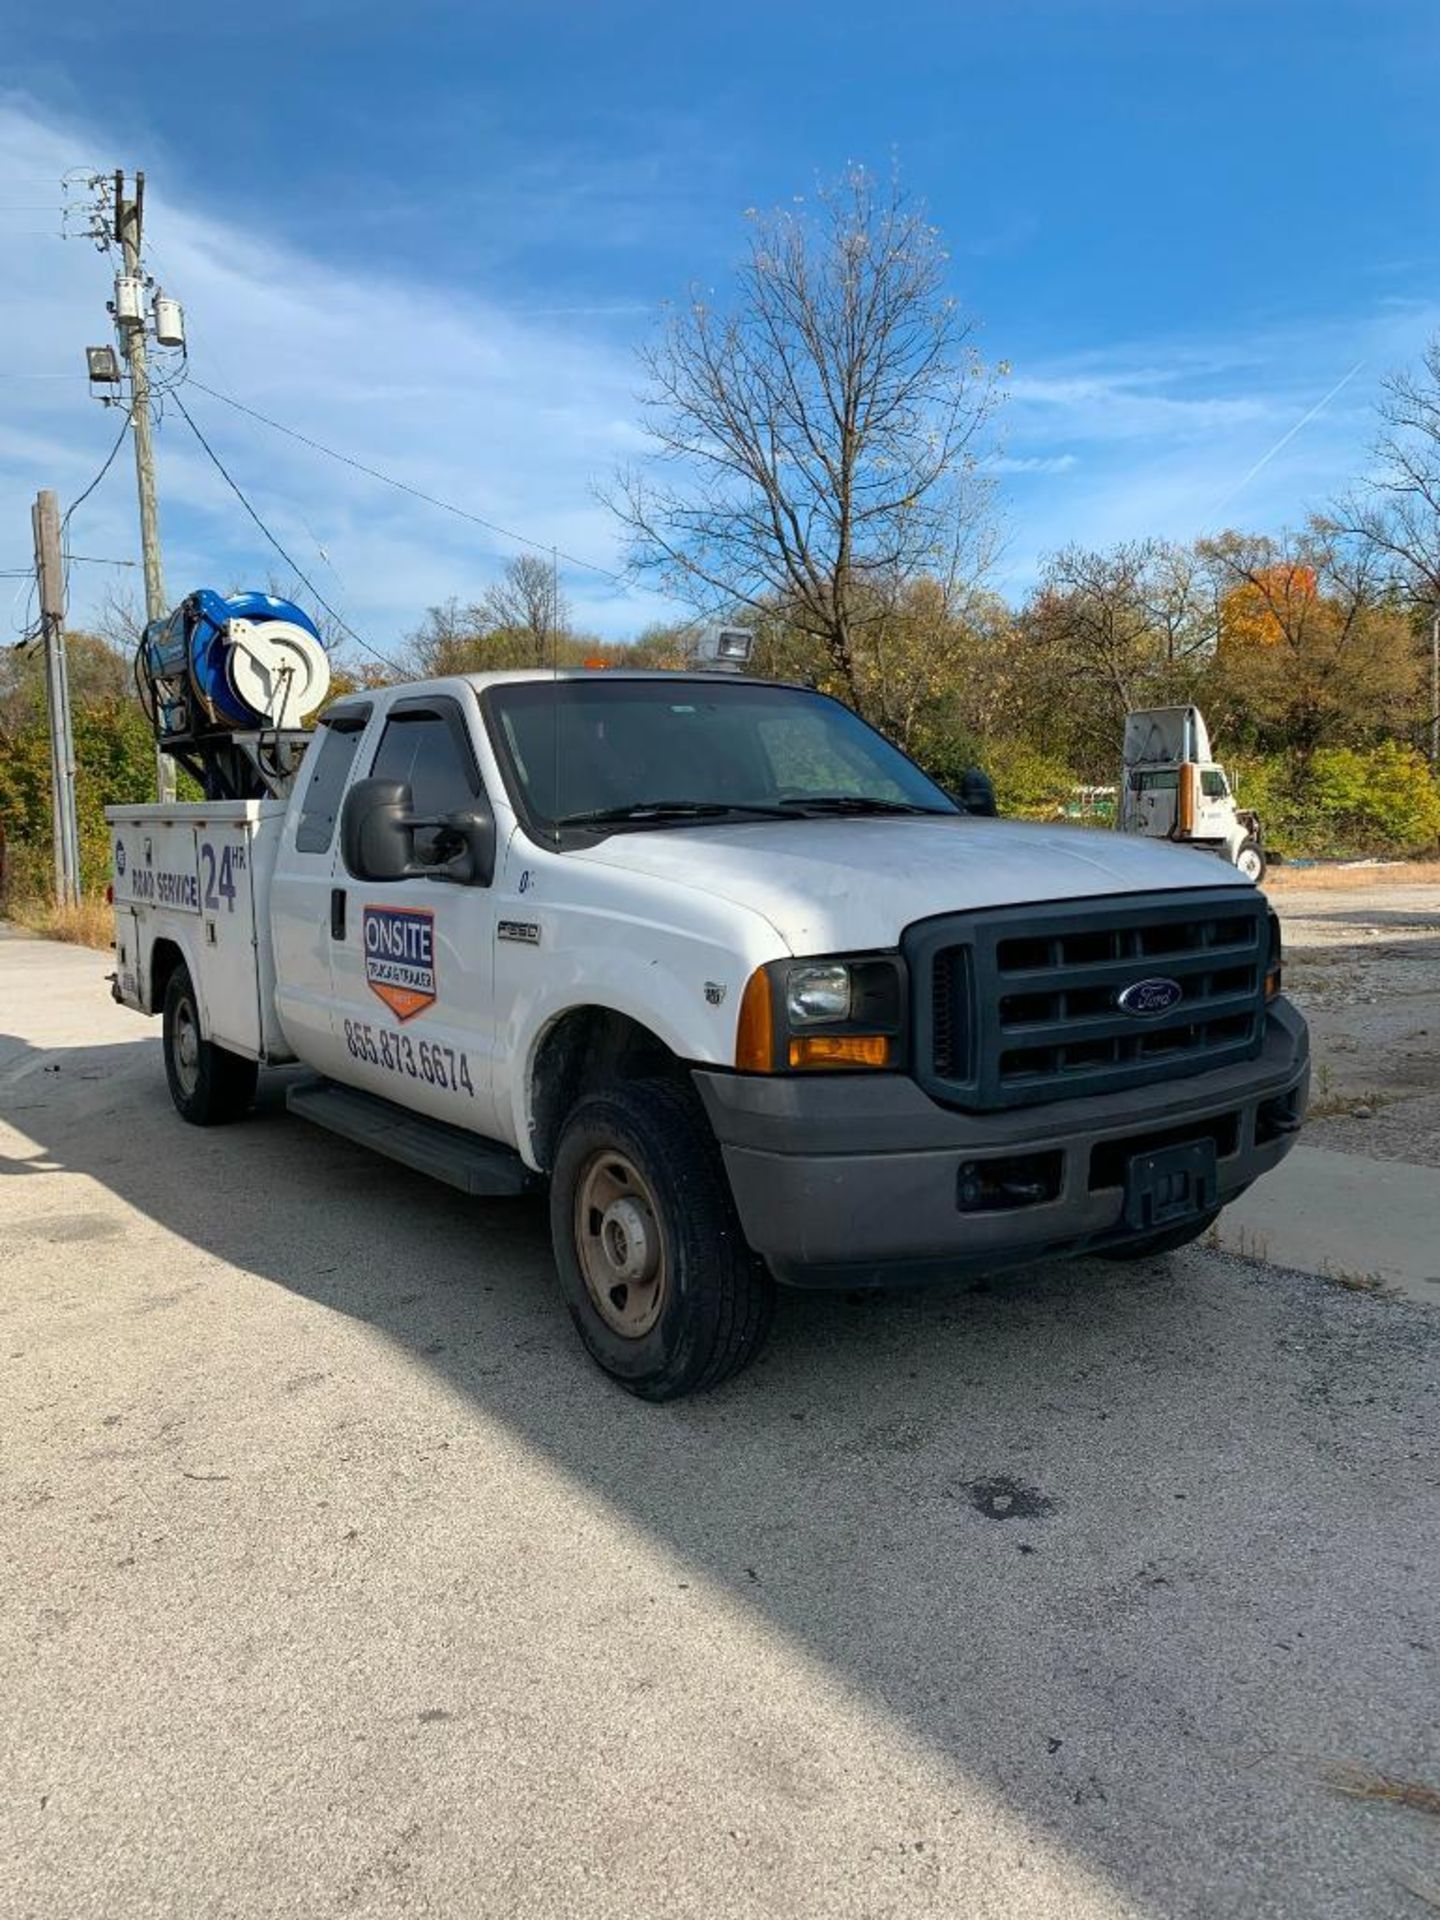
x=229, y=983
x=128, y=988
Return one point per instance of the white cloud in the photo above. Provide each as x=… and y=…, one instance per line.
x=1178, y=438
x=514, y=413
x=1032, y=463
x=512, y=417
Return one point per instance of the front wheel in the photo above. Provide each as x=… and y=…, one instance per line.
x=209, y=1085
x=1250, y=860
x=663, y=1289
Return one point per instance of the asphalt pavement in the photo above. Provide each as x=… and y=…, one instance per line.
x=334, y=1581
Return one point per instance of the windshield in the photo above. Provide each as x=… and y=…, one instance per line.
x=606, y=753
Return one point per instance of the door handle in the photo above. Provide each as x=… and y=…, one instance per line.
x=337, y=913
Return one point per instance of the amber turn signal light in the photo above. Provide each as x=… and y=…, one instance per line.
x=840, y=1050
x=755, y=1033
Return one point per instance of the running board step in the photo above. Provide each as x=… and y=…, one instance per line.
x=446, y=1153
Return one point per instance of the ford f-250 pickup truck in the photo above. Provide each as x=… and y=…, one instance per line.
x=753, y=996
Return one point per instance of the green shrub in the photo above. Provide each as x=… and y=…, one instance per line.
x=114, y=766
x=1345, y=802
x=1384, y=800
x=1030, y=784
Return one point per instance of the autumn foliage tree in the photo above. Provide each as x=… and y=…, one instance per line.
x=1315, y=646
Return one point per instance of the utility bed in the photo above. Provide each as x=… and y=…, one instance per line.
x=199, y=875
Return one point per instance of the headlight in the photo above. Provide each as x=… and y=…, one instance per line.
x=797, y=1015
x=813, y=994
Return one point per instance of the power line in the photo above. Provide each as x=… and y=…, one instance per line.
x=402, y=486
x=26, y=635
x=305, y=580
x=75, y=560
x=77, y=503
x=108, y=463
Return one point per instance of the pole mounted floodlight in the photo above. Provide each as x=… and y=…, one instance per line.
x=103, y=366
x=724, y=649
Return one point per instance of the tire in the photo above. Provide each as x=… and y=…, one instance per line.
x=210, y=1086
x=1250, y=860
x=665, y=1294
x=1147, y=1245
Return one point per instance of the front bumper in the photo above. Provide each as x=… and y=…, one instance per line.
x=855, y=1180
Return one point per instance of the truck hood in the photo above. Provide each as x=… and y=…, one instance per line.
x=836, y=886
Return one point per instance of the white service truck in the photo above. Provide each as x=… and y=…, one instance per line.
x=718, y=965
x=1175, y=790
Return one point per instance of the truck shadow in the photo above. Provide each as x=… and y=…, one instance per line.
x=1052, y=1525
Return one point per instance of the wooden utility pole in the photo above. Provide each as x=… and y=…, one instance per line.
x=45, y=521
x=129, y=223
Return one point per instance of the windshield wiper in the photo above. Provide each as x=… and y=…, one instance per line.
x=852, y=803
x=642, y=810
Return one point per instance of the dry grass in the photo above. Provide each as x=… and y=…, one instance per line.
x=1363, y=1784
x=1395, y=873
x=90, y=924
x=1326, y=1105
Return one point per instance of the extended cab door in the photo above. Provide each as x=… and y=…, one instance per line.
x=301, y=884
x=412, y=961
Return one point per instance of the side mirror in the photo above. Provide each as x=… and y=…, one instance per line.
x=378, y=830
x=976, y=793
x=376, y=841
x=473, y=861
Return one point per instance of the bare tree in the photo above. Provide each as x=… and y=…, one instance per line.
x=443, y=643
x=1107, y=632
x=1397, y=512
x=817, y=441
x=525, y=601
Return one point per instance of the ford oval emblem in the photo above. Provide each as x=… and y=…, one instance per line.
x=1145, y=997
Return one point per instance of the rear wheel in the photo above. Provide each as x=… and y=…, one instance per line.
x=662, y=1288
x=209, y=1085
x=1147, y=1245
x=1250, y=860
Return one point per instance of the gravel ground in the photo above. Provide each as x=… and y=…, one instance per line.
x=334, y=1581
x=1363, y=964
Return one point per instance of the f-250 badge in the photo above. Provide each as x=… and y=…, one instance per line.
x=400, y=958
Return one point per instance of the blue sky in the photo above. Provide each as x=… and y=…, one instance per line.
x=432, y=236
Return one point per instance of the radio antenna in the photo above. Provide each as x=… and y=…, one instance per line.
x=552, y=619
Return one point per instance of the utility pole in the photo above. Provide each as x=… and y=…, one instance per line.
x=1435, y=691
x=45, y=522
x=130, y=324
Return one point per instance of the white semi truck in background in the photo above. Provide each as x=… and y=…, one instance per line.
x=718, y=966
x=1174, y=789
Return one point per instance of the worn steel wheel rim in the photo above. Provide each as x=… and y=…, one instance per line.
x=186, y=1047
x=619, y=1243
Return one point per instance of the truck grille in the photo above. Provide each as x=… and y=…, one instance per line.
x=1021, y=1005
